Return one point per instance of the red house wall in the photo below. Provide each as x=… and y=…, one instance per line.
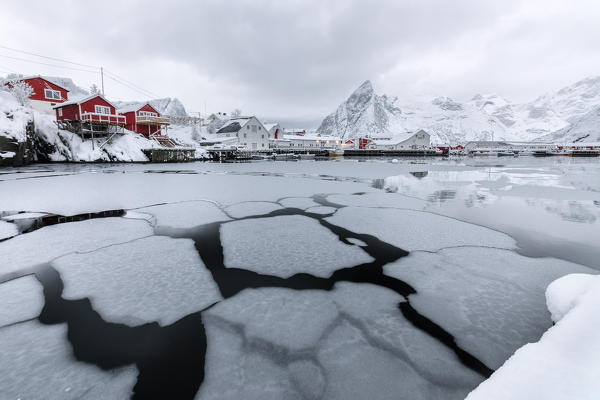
x=89, y=106
x=70, y=112
x=39, y=84
x=131, y=125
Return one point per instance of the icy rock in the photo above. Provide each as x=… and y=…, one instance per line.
x=563, y=364
x=151, y=279
x=413, y=230
x=21, y=299
x=490, y=300
x=234, y=372
x=566, y=293
x=263, y=246
x=37, y=363
x=249, y=208
x=185, y=215
x=47, y=243
x=284, y=319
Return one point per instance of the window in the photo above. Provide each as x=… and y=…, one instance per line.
x=52, y=94
x=245, y=135
x=60, y=112
x=260, y=128
x=102, y=109
x=254, y=128
x=147, y=114
x=263, y=136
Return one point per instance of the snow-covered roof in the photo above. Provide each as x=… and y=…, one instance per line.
x=396, y=139
x=134, y=107
x=81, y=100
x=45, y=79
x=234, y=125
x=270, y=125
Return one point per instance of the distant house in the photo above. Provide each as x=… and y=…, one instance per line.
x=249, y=131
x=275, y=130
x=144, y=119
x=92, y=109
x=407, y=140
x=45, y=94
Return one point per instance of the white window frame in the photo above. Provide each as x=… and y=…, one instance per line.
x=101, y=109
x=54, y=94
x=60, y=112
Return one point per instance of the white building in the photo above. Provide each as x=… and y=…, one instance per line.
x=306, y=142
x=249, y=131
x=404, y=141
x=275, y=130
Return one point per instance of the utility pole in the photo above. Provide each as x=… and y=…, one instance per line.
x=102, y=77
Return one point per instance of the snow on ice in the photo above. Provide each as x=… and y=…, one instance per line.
x=304, y=246
x=45, y=244
x=37, y=362
x=182, y=215
x=490, y=299
x=150, y=279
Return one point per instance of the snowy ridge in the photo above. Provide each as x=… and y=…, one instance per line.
x=570, y=114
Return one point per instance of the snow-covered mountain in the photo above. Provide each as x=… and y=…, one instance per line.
x=448, y=121
x=569, y=114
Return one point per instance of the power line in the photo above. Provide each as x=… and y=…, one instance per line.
x=130, y=87
x=50, y=65
x=131, y=83
x=49, y=58
x=111, y=75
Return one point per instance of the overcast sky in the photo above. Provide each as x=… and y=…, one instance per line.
x=297, y=60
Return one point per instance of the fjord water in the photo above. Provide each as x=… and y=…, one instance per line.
x=353, y=278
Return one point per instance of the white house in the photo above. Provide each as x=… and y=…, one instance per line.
x=404, y=141
x=249, y=131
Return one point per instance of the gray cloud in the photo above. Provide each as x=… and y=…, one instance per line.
x=296, y=60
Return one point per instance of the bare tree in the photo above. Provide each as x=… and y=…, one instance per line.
x=94, y=89
x=236, y=113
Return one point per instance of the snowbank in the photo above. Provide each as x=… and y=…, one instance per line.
x=13, y=117
x=563, y=364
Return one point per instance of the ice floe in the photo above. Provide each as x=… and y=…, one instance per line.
x=262, y=245
x=491, y=300
x=45, y=244
x=151, y=279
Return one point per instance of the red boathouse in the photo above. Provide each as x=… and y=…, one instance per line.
x=143, y=119
x=92, y=115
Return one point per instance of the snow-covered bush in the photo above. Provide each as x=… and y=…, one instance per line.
x=20, y=90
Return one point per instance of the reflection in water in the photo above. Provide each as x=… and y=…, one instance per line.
x=420, y=174
x=439, y=196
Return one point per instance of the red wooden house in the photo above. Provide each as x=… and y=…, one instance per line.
x=143, y=119
x=92, y=109
x=46, y=94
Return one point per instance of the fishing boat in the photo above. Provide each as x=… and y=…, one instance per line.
x=336, y=152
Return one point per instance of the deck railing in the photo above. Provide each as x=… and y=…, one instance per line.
x=152, y=120
x=103, y=118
